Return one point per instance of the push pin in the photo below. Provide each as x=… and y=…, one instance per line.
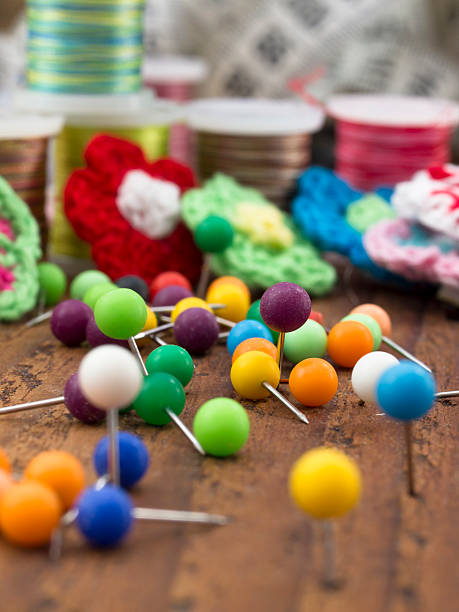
x=213, y=235
x=245, y=330
x=308, y=341
x=69, y=320
x=52, y=282
x=104, y=515
x=168, y=279
x=73, y=399
x=233, y=292
x=284, y=307
x=383, y=319
x=222, y=426
x=110, y=379
x=133, y=456
x=255, y=375
x=313, y=382
x=196, y=330
x=348, y=341
x=367, y=372
x=326, y=484
x=406, y=392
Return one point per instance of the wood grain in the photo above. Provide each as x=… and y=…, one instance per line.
x=394, y=553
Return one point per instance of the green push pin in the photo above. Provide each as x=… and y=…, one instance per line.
x=213, y=235
x=84, y=281
x=372, y=325
x=309, y=340
x=162, y=400
x=253, y=314
x=94, y=293
x=171, y=359
x=120, y=313
x=222, y=426
x=53, y=282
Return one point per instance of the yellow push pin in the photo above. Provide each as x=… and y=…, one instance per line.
x=326, y=484
x=255, y=375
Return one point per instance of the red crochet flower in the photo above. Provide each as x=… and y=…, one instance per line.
x=128, y=209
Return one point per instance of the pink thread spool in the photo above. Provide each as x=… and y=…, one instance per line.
x=176, y=78
x=382, y=140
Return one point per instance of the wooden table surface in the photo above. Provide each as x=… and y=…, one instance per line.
x=394, y=552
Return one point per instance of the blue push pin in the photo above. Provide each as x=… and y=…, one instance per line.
x=133, y=454
x=406, y=392
x=244, y=330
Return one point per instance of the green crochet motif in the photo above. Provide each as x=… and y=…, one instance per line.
x=267, y=247
x=18, y=255
x=367, y=211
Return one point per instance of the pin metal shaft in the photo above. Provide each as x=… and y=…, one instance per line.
x=178, y=516
x=135, y=350
x=204, y=278
x=114, y=451
x=44, y=403
x=286, y=403
x=399, y=349
x=181, y=425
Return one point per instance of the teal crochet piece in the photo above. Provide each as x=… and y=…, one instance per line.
x=19, y=252
x=267, y=246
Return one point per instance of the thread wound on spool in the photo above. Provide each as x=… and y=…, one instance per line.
x=84, y=46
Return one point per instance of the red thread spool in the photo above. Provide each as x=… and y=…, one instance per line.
x=382, y=140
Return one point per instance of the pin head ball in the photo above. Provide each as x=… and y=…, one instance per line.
x=221, y=426
x=254, y=344
x=250, y=371
x=94, y=293
x=60, y=471
x=309, y=340
x=369, y=322
x=165, y=279
x=159, y=391
x=190, y=302
x=133, y=454
x=120, y=313
x=244, y=330
x=313, y=382
x=6, y=481
x=367, y=372
x=52, y=281
x=173, y=360
x=235, y=297
x=137, y=284
x=378, y=313
x=406, y=391
x=254, y=314
x=325, y=483
x=84, y=281
x=196, y=330
x=29, y=513
x=169, y=296
x=104, y=515
x=110, y=377
x=230, y=280
x=151, y=321
x=214, y=234
x=78, y=405
x=69, y=321
x=348, y=341
x=95, y=337
x=285, y=307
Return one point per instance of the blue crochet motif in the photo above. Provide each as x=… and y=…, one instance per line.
x=319, y=209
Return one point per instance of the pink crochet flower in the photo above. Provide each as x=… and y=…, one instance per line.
x=410, y=251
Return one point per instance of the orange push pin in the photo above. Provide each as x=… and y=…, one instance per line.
x=348, y=341
x=29, y=513
x=59, y=471
x=313, y=382
x=255, y=344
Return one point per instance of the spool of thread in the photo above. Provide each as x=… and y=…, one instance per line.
x=138, y=118
x=24, y=143
x=84, y=46
x=261, y=143
x=175, y=78
x=382, y=140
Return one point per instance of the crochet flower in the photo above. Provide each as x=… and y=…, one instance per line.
x=129, y=210
x=19, y=251
x=414, y=252
x=333, y=215
x=431, y=197
x=267, y=248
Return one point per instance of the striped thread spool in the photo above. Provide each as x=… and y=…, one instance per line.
x=84, y=46
x=264, y=144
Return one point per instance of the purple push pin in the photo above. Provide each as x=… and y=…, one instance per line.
x=196, y=330
x=69, y=320
x=96, y=337
x=74, y=400
x=284, y=307
x=169, y=296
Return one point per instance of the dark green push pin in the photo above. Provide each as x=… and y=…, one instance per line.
x=213, y=235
